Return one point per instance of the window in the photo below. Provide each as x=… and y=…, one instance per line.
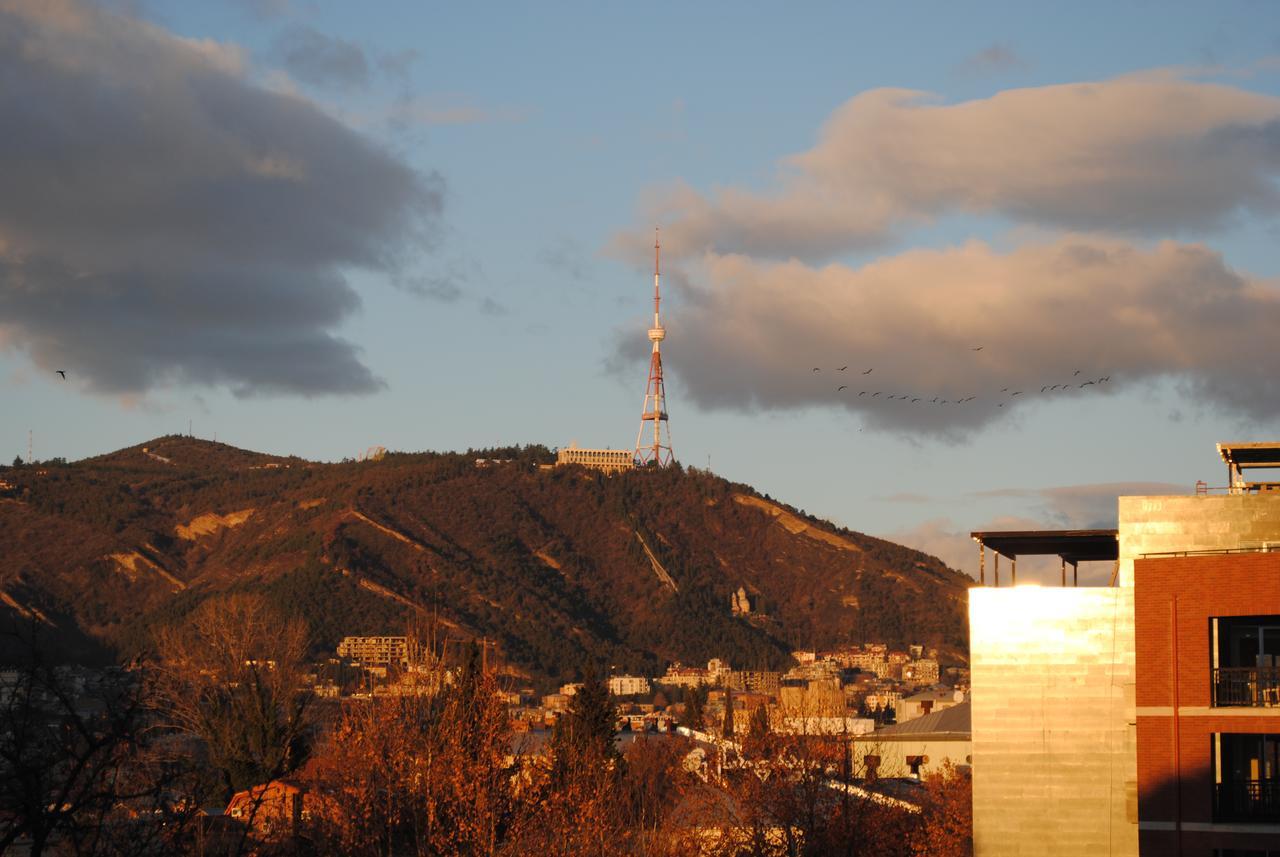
x=1246, y=777
x=1246, y=660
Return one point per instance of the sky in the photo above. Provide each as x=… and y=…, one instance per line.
x=309, y=228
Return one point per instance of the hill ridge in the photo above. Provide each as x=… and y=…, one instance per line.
x=562, y=566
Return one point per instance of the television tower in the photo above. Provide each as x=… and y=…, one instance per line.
x=653, y=444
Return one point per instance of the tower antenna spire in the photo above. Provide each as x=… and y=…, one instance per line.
x=653, y=442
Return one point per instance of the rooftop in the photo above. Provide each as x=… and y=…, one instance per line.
x=954, y=723
x=1243, y=456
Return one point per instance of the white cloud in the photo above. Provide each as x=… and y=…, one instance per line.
x=1143, y=154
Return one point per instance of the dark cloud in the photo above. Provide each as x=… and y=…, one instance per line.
x=749, y=333
x=321, y=60
x=993, y=58
x=163, y=220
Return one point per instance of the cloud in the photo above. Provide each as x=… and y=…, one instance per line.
x=906, y=497
x=413, y=111
x=165, y=221
x=1142, y=155
x=565, y=256
x=750, y=333
x=321, y=60
x=1088, y=506
x=939, y=537
x=993, y=58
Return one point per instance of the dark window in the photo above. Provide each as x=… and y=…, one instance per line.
x=1246, y=777
x=1246, y=660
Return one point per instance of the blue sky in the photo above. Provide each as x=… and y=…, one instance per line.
x=545, y=139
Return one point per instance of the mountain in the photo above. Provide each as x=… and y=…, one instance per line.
x=561, y=566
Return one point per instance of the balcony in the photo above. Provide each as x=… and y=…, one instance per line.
x=1247, y=800
x=1246, y=687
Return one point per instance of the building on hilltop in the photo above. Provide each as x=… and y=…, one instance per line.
x=606, y=460
x=1140, y=717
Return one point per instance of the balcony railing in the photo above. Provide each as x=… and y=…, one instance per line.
x=1247, y=800
x=1257, y=687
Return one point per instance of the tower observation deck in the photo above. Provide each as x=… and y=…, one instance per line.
x=653, y=442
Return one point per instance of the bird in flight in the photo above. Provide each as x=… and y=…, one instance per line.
x=816, y=369
x=842, y=387
x=1086, y=384
x=863, y=393
x=868, y=372
x=1019, y=393
x=62, y=372
x=978, y=348
x=873, y=395
x=1075, y=373
x=842, y=368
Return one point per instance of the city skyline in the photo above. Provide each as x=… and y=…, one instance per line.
x=452, y=215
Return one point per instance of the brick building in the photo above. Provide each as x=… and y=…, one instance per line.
x=1086, y=739
x=1209, y=730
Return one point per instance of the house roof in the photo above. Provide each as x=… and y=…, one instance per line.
x=952, y=723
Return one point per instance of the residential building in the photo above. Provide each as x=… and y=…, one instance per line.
x=628, y=685
x=756, y=681
x=916, y=748
x=274, y=809
x=682, y=676
x=927, y=702
x=1207, y=632
x=1087, y=742
x=382, y=651
x=921, y=671
x=607, y=460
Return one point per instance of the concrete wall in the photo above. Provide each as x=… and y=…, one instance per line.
x=1054, y=751
x=893, y=755
x=1193, y=523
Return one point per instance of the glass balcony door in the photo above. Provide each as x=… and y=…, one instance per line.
x=1247, y=779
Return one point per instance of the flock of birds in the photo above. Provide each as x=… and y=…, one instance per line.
x=1007, y=393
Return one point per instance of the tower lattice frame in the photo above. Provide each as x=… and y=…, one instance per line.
x=653, y=441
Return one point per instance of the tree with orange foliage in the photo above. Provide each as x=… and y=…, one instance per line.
x=417, y=774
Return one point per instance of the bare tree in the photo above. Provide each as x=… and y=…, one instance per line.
x=79, y=769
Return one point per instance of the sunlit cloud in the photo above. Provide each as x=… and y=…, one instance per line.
x=1057, y=321
x=1144, y=155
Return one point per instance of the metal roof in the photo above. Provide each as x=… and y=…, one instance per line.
x=1246, y=455
x=1072, y=545
x=952, y=722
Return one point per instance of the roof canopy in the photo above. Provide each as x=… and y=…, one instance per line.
x=1073, y=546
x=1243, y=456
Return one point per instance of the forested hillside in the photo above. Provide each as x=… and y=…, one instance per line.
x=563, y=567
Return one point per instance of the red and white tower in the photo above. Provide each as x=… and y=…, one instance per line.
x=653, y=443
